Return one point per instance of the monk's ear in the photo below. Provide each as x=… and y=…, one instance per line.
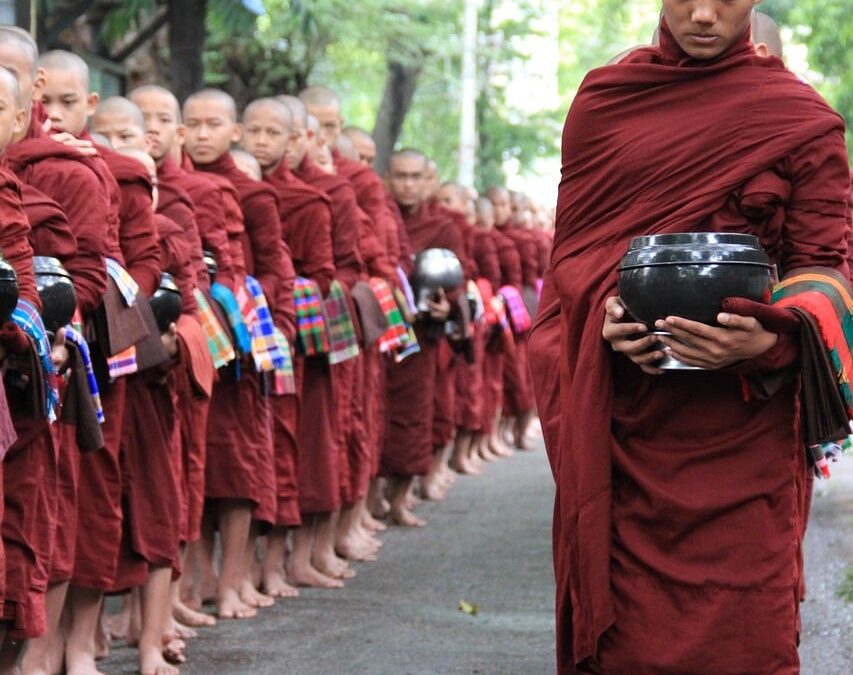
x=92, y=103
x=237, y=133
x=180, y=134
x=762, y=49
x=20, y=121
x=38, y=83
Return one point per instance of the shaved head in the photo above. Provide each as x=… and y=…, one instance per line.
x=215, y=96
x=765, y=31
x=272, y=105
x=319, y=95
x=313, y=124
x=247, y=164
x=346, y=147
x=363, y=143
x=18, y=37
x=453, y=197
x=502, y=204
x=297, y=109
x=409, y=154
x=407, y=170
x=145, y=90
x=9, y=83
x=58, y=59
x=119, y=105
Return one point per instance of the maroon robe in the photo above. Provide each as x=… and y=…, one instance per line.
x=411, y=385
x=634, y=450
x=305, y=444
x=241, y=462
x=150, y=443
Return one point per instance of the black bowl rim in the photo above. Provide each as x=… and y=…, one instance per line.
x=686, y=238
x=697, y=263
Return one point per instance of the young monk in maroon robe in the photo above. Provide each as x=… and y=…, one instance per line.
x=349, y=268
x=306, y=227
x=29, y=466
x=240, y=471
x=409, y=450
x=363, y=143
x=354, y=539
x=729, y=555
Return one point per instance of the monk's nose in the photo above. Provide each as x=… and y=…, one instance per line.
x=704, y=11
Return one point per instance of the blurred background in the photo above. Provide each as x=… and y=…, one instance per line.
x=487, y=103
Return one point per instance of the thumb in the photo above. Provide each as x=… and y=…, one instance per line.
x=59, y=340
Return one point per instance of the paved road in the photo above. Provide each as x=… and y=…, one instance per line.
x=488, y=544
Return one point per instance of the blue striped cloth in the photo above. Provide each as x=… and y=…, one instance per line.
x=265, y=350
x=28, y=319
x=128, y=288
x=229, y=304
x=83, y=347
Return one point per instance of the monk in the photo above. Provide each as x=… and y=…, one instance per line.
x=363, y=143
x=617, y=574
x=30, y=460
x=349, y=269
x=240, y=470
x=70, y=178
x=179, y=192
x=247, y=164
x=355, y=530
x=409, y=446
x=305, y=446
x=518, y=398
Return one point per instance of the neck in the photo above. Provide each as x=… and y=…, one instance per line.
x=275, y=166
x=409, y=210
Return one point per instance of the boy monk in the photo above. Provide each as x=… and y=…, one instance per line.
x=162, y=117
x=306, y=226
x=733, y=503
x=70, y=178
x=409, y=447
x=240, y=471
x=349, y=268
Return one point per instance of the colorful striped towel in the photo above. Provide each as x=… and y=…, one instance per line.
x=519, y=317
x=409, y=294
x=256, y=313
x=823, y=301
x=285, y=379
x=397, y=335
x=28, y=319
x=122, y=364
x=310, y=320
x=343, y=342
x=220, y=347
x=128, y=288
x=75, y=338
x=239, y=330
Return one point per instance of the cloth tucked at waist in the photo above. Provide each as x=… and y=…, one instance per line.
x=220, y=347
x=223, y=295
x=519, y=317
x=28, y=319
x=310, y=321
x=343, y=341
x=128, y=288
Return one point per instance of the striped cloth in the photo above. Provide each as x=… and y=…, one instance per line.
x=519, y=317
x=284, y=379
x=220, y=347
x=397, y=335
x=343, y=342
x=128, y=288
x=28, y=319
x=122, y=364
x=408, y=293
x=75, y=338
x=256, y=312
x=310, y=320
x=225, y=298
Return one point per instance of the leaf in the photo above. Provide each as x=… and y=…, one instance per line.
x=472, y=609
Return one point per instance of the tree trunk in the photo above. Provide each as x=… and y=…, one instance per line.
x=400, y=89
x=186, y=44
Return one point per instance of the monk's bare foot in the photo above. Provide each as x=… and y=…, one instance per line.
x=372, y=524
x=174, y=649
x=190, y=617
x=308, y=576
x=332, y=566
x=153, y=662
x=276, y=586
x=208, y=591
x=356, y=549
x=82, y=667
x=232, y=607
x=253, y=597
x=182, y=631
x=405, y=518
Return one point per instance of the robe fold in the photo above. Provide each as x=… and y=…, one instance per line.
x=635, y=451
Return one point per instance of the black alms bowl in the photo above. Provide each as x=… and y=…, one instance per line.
x=690, y=274
x=166, y=302
x=211, y=265
x=435, y=268
x=56, y=290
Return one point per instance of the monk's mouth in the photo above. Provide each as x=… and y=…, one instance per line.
x=704, y=39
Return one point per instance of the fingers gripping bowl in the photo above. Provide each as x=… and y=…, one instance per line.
x=689, y=275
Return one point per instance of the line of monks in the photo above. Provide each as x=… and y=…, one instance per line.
x=253, y=444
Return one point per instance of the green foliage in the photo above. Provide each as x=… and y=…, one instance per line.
x=845, y=588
